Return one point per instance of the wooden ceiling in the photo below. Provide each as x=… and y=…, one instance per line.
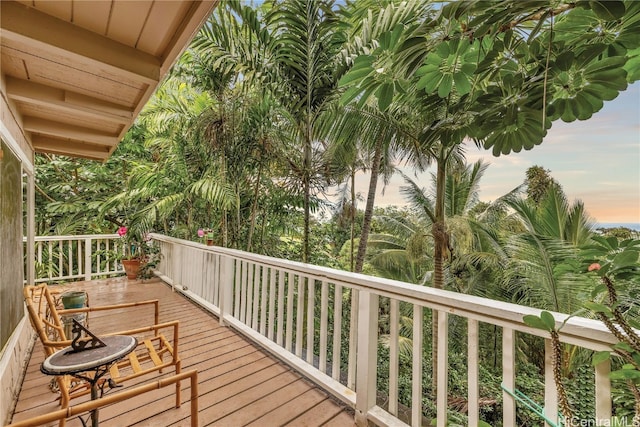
x=79, y=72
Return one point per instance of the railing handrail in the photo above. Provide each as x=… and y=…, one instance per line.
x=57, y=238
x=588, y=333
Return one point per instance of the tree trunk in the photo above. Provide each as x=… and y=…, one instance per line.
x=439, y=231
x=368, y=213
x=306, y=183
x=254, y=207
x=352, y=218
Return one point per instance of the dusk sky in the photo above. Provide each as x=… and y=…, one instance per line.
x=597, y=161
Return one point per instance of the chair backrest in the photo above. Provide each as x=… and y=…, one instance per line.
x=45, y=318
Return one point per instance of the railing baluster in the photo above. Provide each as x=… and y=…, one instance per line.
x=79, y=258
x=39, y=250
x=243, y=292
x=237, y=286
x=300, y=315
x=70, y=257
x=310, y=319
x=337, y=332
x=353, y=339
x=550, y=391
x=508, y=376
x=324, y=318
x=50, y=260
x=394, y=327
x=99, y=244
x=250, y=272
x=289, y=328
x=472, y=372
x=416, y=370
x=87, y=258
x=60, y=259
x=272, y=302
x=256, y=295
x=280, y=331
x=263, y=300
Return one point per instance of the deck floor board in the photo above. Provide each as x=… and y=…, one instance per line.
x=239, y=384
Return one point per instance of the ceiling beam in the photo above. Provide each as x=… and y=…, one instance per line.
x=62, y=130
x=187, y=30
x=67, y=102
x=36, y=29
x=43, y=144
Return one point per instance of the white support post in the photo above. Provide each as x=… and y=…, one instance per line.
x=472, y=373
x=603, y=392
x=87, y=259
x=550, y=390
x=226, y=287
x=508, y=376
x=31, y=230
x=366, y=372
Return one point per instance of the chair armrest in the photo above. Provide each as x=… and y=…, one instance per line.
x=174, y=324
x=81, y=408
x=155, y=302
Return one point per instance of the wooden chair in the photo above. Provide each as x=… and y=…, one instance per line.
x=153, y=353
x=63, y=414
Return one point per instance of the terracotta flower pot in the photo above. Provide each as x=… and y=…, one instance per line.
x=131, y=267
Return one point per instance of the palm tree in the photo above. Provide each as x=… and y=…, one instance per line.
x=552, y=233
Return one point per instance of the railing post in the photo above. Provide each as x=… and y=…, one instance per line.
x=603, y=391
x=226, y=286
x=87, y=259
x=472, y=372
x=367, y=350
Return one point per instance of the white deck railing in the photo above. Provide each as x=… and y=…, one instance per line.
x=82, y=257
x=308, y=316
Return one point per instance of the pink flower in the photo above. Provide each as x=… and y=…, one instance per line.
x=595, y=266
x=200, y=232
x=122, y=231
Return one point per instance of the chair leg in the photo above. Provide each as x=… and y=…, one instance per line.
x=178, y=400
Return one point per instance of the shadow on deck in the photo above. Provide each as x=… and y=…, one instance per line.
x=239, y=384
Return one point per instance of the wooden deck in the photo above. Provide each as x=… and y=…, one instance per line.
x=239, y=384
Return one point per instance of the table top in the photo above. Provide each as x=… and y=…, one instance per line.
x=66, y=361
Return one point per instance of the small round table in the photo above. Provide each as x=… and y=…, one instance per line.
x=96, y=360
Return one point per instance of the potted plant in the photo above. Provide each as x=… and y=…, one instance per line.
x=207, y=235
x=138, y=257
